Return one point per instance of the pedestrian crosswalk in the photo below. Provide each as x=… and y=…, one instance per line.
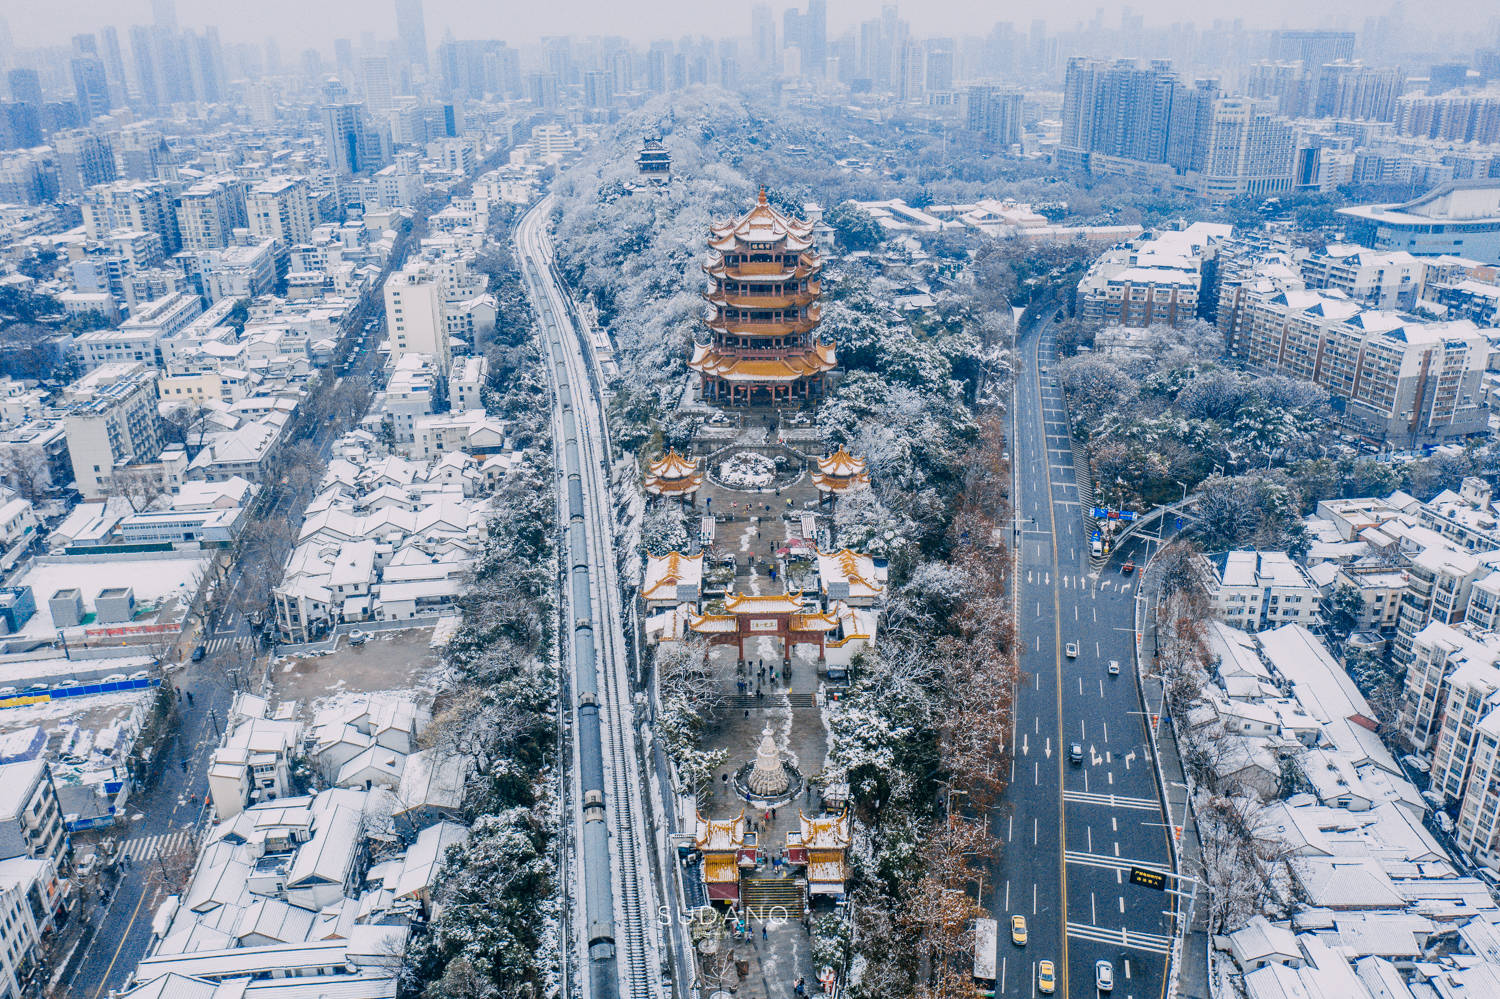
x=1153, y=943
x=162, y=844
x=1104, y=860
x=1111, y=800
x=219, y=643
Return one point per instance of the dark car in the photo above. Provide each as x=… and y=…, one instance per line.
x=1075, y=754
x=198, y=653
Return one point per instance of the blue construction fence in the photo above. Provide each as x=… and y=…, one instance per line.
x=79, y=690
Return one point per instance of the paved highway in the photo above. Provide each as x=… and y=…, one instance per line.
x=1069, y=832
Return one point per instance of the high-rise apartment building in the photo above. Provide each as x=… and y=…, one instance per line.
x=1312, y=48
x=1450, y=117
x=90, y=86
x=1352, y=90
x=83, y=160
x=354, y=143
x=25, y=86
x=126, y=204
x=415, y=314
x=1118, y=109
x=111, y=421
x=278, y=209
x=1249, y=150
x=993, y=112
x=1124, y=118
x=209, y=212
x=1392, y=378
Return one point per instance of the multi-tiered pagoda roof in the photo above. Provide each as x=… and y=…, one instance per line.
x=763, y=345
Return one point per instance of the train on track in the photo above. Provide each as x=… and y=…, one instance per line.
x=599, y=899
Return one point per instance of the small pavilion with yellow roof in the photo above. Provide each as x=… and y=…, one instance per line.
x=753, y=615
x=672, y=579
x=821, y=844
x=726, y=845
x=673, y=475
x=839, y=473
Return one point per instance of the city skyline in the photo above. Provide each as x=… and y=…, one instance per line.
x=678, y=18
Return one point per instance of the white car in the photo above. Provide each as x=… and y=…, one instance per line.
x=357, y=637
x=1104, y=976
x=1072, y=650
x=1114, y=667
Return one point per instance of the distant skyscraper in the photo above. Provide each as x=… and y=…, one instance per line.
x=90, y=86
x=114, y=60
x=164, y=14
x=411, y=26
x=25, y=86
x=763, y=35
x=1312, y=48
x=142, y=50
x=598, y=89
x=375, y=72
x=815, y=39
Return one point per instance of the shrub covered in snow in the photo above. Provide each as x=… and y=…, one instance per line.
x=747, y=470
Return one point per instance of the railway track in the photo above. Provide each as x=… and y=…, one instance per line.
x=621, y=932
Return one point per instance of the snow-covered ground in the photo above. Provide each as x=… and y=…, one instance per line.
x=155, y=582
x=747, y=470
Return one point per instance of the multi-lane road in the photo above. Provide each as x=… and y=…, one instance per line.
x=1070, y=831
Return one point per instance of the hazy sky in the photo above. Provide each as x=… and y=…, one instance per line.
x=300, y=23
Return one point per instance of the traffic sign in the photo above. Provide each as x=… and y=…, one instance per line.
x=1147, y=878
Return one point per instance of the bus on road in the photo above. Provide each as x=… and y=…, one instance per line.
x=986, y=942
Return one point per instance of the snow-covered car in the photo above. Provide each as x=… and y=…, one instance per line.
x=357, y=637
x=1072, y=650
x=1114, y=667
x=1075, y=754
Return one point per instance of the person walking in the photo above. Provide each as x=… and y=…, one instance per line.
x=800, y=988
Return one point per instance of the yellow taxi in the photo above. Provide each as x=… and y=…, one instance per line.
x=1046, y=978
x=1018, y=930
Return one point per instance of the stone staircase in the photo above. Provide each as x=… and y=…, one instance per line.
x=773, y=699
x=765, y=898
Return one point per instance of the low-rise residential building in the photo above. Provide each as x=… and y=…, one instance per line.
x=1254, y=590
x=1380, y=280
x=31, y=819
x=385, y=539
x=1155, y=279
